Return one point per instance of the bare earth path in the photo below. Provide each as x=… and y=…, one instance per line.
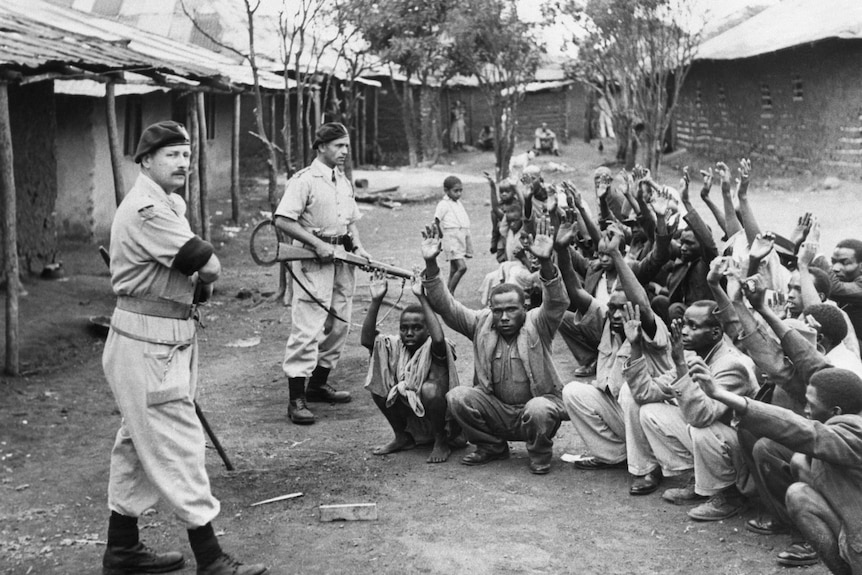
x=58, y=421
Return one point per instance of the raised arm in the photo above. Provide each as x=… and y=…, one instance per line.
x=704, y=195
x=435, y=330
x=749, y=222
x=495, y=201
x=578, y=202
x=725, y=311
x=635, y=291
x=731, y=222
x=804, y=257
x=377, y=288
x=577, y=294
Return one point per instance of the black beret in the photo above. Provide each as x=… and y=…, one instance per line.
x=329, y=132
x=159, y=135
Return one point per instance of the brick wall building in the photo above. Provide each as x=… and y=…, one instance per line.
x=784, y=88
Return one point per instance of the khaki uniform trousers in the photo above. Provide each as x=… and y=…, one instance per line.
x=159, y=451
x=317, y=338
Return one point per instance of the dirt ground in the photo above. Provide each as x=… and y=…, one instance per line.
x=58, y=420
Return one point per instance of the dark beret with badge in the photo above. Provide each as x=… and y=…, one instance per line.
x=160, y=135
x=329, y=132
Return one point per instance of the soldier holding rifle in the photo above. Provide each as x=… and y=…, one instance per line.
x=318, y=210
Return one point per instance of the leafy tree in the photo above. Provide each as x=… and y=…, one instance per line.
x=636, y=55
x=492, y=43
x=410, y=36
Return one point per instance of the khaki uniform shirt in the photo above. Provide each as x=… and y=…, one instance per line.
x=321, y=199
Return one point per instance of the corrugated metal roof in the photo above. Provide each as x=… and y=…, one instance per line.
x=36, y=35
x=788, y=24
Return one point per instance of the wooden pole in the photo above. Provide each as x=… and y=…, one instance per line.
x=10, y=234
x=203, y=166
x=234, y=160
x=114, y=142
x=193, y=197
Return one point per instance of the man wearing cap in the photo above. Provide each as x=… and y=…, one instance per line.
x=151, y=364
x=318, y=211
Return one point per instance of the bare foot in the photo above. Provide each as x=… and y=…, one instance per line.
x=401, y=442
x=440, y=452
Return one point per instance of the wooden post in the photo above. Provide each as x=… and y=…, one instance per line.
x=193, y=181
x=203, y=166
x=114, y=142
x=10, y=234
x=234, y=160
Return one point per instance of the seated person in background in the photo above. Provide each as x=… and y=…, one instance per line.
x=546, y=140
x=690, y=433
x=516, y=388
x=485, y=141
x=825, y=502
x=409, y=374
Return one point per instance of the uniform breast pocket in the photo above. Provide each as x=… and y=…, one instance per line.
x=168, y=373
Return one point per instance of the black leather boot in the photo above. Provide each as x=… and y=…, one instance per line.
x=139, y=559
x=297, y=410
x=320, y=391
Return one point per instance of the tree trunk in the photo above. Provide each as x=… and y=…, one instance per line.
x=203, y=166
x=234, y=160
x=193, y=188
x=622, y=134
x=10, y=234
x=114, y=142
x=429, y=117
x=408, y=114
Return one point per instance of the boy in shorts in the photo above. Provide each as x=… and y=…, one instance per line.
x=454, y=223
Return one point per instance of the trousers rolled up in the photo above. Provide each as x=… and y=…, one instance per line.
x=317, y=338
x=488, y=423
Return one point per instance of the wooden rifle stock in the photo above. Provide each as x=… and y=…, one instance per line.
x=289, y=253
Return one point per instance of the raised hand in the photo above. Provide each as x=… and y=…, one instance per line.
x=416, y=286
x=744, y=170
x=814, y=231
x=734, y=280
x=701, y=375
x=677, y=352
x=661, y=201
x=378, y=286
x=806, y=254
x=717, y=270
x=566, y=231
x=755, y=290
x=489, y=178
x=632, y=322
x=432, y=241
x=543, y=243
x=574, y=195
x=708, y=177
x=800, y=232
x=684, y=184
x=723, y=173
x=762, y=245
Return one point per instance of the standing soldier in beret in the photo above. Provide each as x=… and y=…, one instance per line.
x=318, y=211
x=151, y=363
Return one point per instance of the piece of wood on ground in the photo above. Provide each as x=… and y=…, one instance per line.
x=349, y=512
x=279, y=498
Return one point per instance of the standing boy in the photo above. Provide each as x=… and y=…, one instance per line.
x=453, y=221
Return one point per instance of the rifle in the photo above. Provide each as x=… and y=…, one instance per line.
x=267, y=249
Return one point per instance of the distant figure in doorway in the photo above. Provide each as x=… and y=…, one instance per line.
x=457, y=132
x=546, y=140
x=486, y=139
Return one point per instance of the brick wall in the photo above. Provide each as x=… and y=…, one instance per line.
x=797, y=109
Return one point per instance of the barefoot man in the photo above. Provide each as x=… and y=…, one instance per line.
x=410, y=374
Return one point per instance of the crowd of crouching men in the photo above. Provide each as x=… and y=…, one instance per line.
x=725, y=372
